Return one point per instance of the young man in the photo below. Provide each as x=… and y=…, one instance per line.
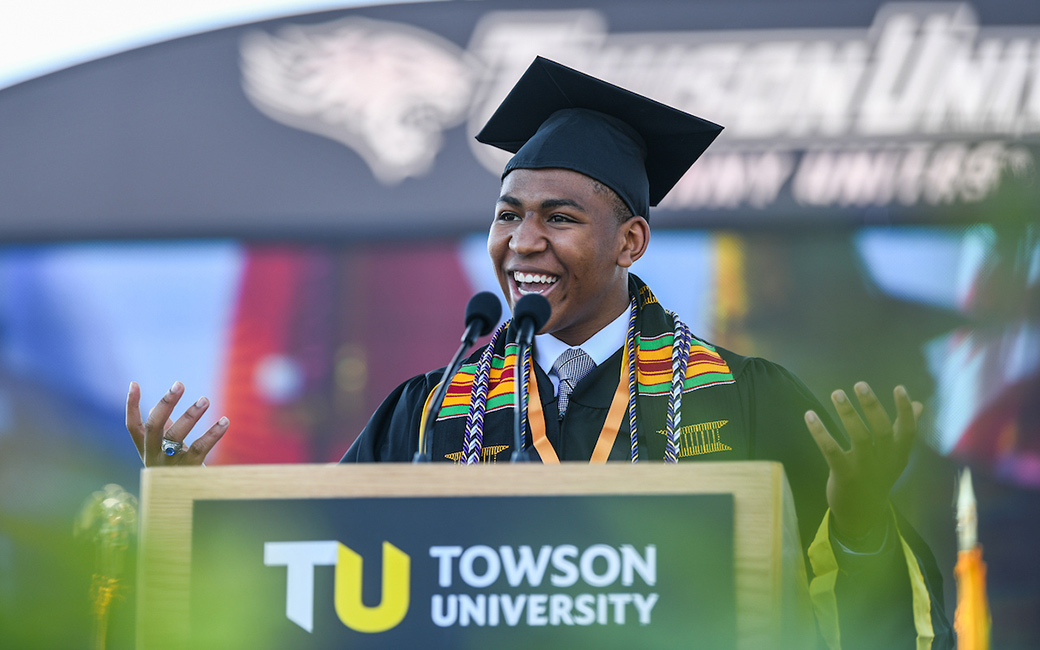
x=617, y=377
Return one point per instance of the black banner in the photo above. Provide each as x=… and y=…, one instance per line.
x=359, y=123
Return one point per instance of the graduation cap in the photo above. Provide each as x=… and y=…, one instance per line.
x=556, y=116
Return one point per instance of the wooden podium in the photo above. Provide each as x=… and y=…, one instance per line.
x=769, y=585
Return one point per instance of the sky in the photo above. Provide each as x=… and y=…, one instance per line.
x=41, y=36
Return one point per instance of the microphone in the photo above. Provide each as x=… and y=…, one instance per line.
x=482, y=313
x=530, y=314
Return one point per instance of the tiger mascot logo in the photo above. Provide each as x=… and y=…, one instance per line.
x=386, y=90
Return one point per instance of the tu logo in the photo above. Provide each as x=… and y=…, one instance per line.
x=300, y=558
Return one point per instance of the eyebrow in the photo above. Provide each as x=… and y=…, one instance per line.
x=547, y=204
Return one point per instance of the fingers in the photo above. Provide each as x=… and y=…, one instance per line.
x=148, y=435
x=907, y=414
x=875, y=437
x=918, y=409
x=862, y=477
x=877, y=419
x=907, y=411
x=857, y=430
x=829, y=447
x=179, y=430
x=133, y=417
x=156, y=423
x=164, y=408
x=200, y=448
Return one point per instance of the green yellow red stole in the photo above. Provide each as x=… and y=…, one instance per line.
x=662, y=360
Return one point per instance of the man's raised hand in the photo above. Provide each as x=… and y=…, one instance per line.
x=148, y=434
x=862, y=476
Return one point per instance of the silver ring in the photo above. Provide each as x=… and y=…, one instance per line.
x=171, y=447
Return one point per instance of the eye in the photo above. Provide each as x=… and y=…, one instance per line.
x=560, y=218
x=506, y=215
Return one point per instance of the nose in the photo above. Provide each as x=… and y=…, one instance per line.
x=528, y=237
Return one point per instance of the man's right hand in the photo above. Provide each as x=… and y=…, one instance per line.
x=148, y=434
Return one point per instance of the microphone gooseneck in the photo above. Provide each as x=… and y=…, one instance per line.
x=530, y=314
x=482, y=314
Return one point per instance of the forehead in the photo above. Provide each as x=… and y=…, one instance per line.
x=539, y=185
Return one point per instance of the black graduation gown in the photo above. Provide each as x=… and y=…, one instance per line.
x=757, y=417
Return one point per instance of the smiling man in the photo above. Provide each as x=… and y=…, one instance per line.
x=617, y=377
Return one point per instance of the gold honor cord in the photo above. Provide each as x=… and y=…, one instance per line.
x=607, y=435
x=425, y=412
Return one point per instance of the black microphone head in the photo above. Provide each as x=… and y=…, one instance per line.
x=532, y=307
x=486, y=308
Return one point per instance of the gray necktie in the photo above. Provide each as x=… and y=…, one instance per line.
x=570, y=367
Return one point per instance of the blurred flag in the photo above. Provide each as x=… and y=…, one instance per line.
x=987, y=367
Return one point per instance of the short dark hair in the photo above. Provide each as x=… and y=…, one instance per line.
x=621, y=211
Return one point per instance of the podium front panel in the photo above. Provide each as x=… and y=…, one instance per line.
x=550, y=572
x=295, y=555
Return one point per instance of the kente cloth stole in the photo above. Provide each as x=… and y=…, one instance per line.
x=487, y=385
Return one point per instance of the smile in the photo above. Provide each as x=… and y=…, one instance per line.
x=533, y=282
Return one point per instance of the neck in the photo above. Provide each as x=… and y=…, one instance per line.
x=581, y=332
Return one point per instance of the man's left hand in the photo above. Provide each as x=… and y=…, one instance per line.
x=862, y=476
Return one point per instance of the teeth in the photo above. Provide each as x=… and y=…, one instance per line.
x=531, y=278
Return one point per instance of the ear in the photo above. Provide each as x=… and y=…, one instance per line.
x=634, y=235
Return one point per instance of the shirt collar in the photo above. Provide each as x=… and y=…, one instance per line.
x=600, y=346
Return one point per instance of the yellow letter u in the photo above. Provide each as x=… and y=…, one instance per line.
x=396, y=590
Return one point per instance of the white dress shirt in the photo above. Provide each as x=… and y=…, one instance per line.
x=600, y=347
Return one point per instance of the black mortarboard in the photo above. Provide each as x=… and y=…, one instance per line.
x=556, y=116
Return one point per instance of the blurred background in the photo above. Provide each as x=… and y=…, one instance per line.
x=281, y=204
